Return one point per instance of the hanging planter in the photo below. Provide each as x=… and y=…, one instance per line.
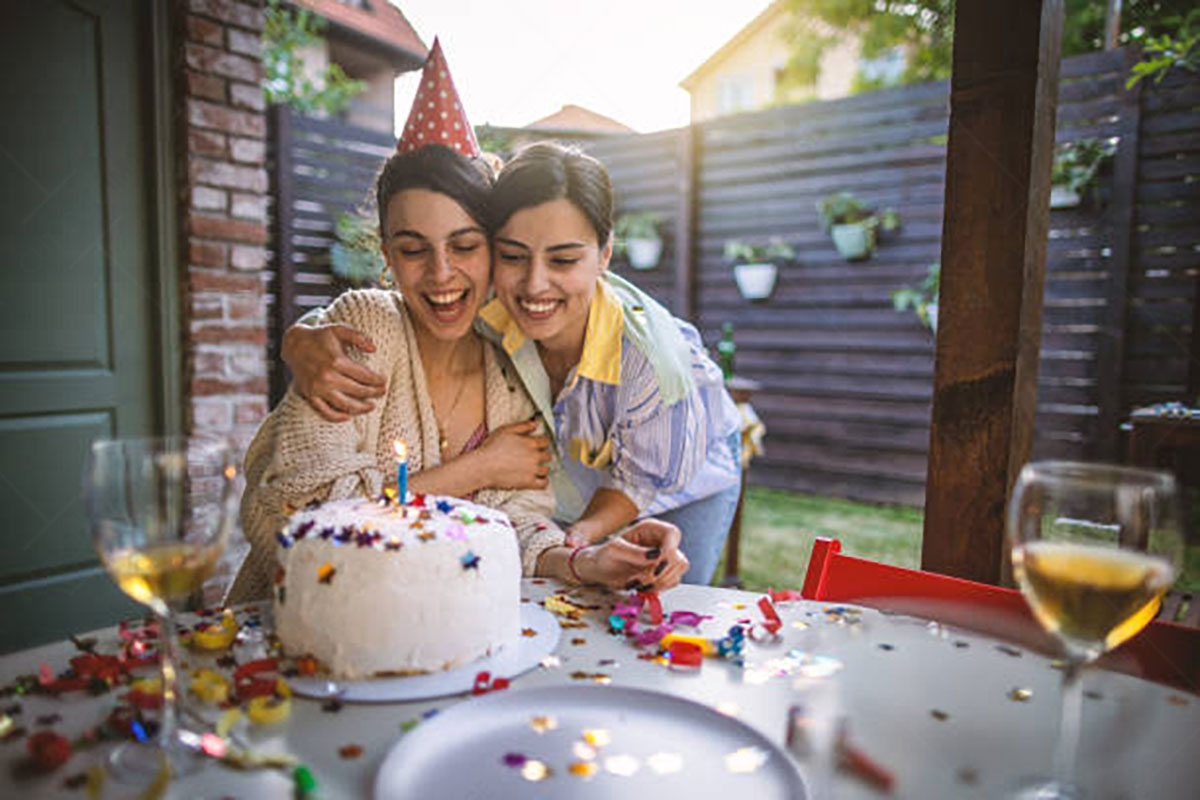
x=852, y=226
x=644, y=253
x=1076, y=170
x=356, y=255
x=754, y=266
x=637, y=239
x=755, y=281
x=854, y=241
x=923, y=299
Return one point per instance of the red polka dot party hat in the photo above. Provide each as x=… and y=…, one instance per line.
x=437, y=115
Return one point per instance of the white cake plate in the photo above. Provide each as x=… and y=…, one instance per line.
x=658, y=745
x=508, y=663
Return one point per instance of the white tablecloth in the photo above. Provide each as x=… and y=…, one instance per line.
x=935, y=706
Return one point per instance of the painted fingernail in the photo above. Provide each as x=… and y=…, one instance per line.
x=633, y=584
x=661, y=566
x=653, y=553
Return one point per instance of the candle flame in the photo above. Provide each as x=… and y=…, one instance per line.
x=401, y=450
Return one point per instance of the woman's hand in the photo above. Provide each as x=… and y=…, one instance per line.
x=515, y=456
x=645, y=557
x=335, y=385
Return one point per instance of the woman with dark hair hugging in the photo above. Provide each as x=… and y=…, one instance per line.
x=449, y=394
x=640, y=420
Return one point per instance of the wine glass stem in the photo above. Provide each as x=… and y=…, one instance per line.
x=1068, y=729
x=168, y=724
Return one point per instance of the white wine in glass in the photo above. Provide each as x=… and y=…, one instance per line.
x=1094, y=549
x=161, y=510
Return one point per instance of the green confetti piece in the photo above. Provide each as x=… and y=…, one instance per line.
x=305, y=782
x=408, y=725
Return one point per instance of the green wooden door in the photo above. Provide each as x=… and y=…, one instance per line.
x=77, y=299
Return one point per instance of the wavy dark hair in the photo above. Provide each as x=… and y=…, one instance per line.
x=467, y=181
x=548, y=171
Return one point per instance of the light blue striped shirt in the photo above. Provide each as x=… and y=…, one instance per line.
x=645, y=412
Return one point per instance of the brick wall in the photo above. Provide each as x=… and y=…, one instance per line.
x=223, y=187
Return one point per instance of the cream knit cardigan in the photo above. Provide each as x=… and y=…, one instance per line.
x=296, y=456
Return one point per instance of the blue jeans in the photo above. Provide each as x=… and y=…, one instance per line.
x=705, y=525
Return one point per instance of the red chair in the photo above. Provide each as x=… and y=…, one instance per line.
x=1163, y=652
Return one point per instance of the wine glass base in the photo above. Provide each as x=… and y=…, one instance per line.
x=1047, y=789
x=142, y=763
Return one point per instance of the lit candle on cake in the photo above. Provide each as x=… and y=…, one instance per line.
x=401, y=470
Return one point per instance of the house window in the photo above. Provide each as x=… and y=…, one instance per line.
x=885, y=69
x=734, y=93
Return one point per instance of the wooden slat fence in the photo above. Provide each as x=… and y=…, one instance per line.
x=846, y=380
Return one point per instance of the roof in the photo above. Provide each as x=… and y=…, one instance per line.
x=578, y=118
x=377, y=20
x=768, y=15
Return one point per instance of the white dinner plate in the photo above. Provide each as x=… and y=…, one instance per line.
x=508, y=663
x=642, y=744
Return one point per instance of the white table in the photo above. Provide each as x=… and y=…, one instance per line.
x=932, y=705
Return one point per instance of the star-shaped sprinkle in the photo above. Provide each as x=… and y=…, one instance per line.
x=444, y=506
x=325, y=573
x=541, y=724
x=469, y=560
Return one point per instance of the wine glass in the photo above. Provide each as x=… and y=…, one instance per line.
x=161, y=510
x=1094, y=549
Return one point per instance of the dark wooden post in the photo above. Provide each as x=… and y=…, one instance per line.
x=280, y=118
x=1110, y=360
x=688, y=150
x=1003, y=94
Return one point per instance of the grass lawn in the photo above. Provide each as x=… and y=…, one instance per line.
x=778, y=529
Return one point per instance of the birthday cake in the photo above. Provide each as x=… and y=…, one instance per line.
x=370, y=587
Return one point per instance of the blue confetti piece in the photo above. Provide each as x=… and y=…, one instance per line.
x=444, y=506
x=469, y=560
x=139, y=732
x=283, y=540
x=433, y=712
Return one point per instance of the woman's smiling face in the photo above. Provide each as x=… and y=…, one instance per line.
x=440, y=259
x=547, y=263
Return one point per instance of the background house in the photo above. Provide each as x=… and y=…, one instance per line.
x=747, y=72
x=372, y=42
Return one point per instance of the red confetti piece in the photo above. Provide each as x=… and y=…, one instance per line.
x=652, y=606
x=143, y=700
x=350, y=751
x=48, y=750
x=773, y=623
x=484, y=683
x=45, y=674
x=685, y=654
x=784, y=595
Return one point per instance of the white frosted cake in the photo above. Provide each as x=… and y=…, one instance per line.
x=369, y=587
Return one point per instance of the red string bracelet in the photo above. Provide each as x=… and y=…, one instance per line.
x=571, y=563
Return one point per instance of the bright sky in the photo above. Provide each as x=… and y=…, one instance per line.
x=515, y=61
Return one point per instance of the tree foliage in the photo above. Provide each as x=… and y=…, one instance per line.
x=287, y=31
x=924, y=30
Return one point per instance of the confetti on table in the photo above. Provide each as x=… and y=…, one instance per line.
x=578, y=640
x=665, y=763
x=514, y=760
x=550, y=662
x=469, y=560
x=1092, y=694
x=1008, y=650
x=745, y=759
x=939, y=715
x=528, y=632
x=541, y=724
x=597, y=737
x=533, y=771
x=625, y=766
x=350, y=751
x=887, y=647
x=584, y=751
x=1021, y=695
x=325, y=573
x=304, y=781
x=583, y=769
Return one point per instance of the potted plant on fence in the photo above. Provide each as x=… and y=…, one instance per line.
x=356, y=255
x=1076, y=166
x=922, y=299
x=754, y=265
x=637, y=236
x=853, y=226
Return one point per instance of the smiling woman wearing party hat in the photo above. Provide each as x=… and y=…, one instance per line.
x=448, y=394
